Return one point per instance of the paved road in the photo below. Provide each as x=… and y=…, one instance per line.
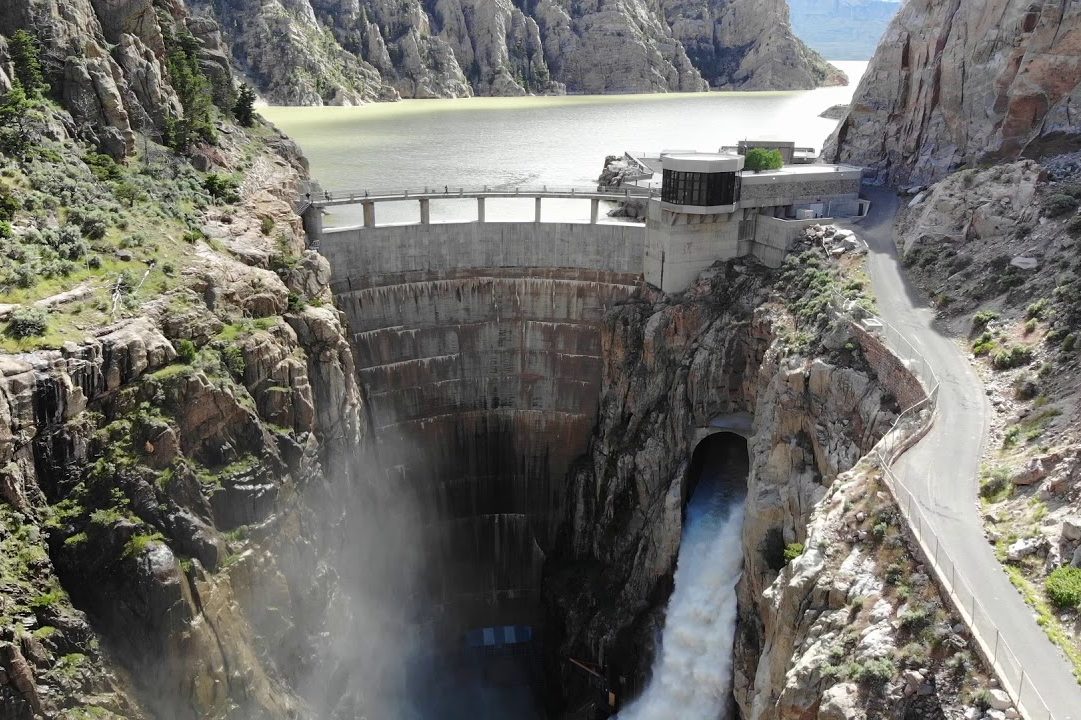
x=942, y=472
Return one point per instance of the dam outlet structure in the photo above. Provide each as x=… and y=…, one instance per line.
x=480, y=350
x=692, y=674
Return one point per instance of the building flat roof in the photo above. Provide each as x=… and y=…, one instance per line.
x=702, y=162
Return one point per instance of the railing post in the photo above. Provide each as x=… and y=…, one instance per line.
x=369, y=213
x=594, y=210
x=480, y=209
x=425, y=212
x=537, y=211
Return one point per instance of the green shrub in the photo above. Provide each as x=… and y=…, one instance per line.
x=1012, y=357
x=5, y=229
x=186, y=351
x=996, y=484
x=1064, y=587
x=1059, y=204
x=792, y=551
x=981, y=319
x=221, y=188
x=28, y=322
x=1073, y=227
x=266, y=225
x=894, y=573
x=233, y=357
x=915, y=618
x=103, y=166
x=985, y=344
x=9, y=204
x=1068, y=342
x=1030, y=326
x=874, y=673
x=763, y=159
x=1037, y=309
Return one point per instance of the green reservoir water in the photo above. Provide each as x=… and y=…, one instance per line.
x=532, y=141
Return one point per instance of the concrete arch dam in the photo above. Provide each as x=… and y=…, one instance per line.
x=478, y=346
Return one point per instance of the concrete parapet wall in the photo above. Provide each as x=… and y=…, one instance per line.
x=890, y=369
x=401, y=248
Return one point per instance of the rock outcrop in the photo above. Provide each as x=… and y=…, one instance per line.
x=670, y=368
x=351, y=51
x=956, y=84
x=724, y=349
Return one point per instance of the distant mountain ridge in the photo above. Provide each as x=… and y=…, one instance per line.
x=340, y=52
x=842, y=29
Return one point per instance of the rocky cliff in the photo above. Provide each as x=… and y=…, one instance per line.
x=749, y=340
x=956, y=84
x=183, y=442
x=350, y=51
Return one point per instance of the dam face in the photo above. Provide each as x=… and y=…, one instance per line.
x=478, y=347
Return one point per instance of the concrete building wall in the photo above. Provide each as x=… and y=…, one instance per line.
x=679, y=247
x=774, y=236
x=780, y=189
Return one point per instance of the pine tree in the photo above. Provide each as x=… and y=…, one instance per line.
x=244, y=110
x=26, y=56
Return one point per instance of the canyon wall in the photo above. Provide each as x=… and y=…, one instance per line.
x=670, y=368
x=814, y=610
x=955, y=84
x=182, y=435
x=314, y=52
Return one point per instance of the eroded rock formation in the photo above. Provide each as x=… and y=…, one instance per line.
x=959, y=83
x=350, y=51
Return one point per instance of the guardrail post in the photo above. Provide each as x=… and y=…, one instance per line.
x=537, y=210
x=594, y=210
x=369, y=213
x=480, y=209
x=425, y=212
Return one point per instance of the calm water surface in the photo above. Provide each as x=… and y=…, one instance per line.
x=532, y=141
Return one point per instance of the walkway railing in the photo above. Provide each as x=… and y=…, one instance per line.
x=446, y=192
x=910, y=426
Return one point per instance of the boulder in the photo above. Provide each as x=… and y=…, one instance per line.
x=998, y=699
x=1024, y=547
x=1071, y=527
x=840, y=702
x=1032, y=472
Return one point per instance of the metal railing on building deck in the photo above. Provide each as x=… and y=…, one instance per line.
x=909, y=428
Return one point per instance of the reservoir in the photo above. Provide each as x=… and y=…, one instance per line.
x=558, y=141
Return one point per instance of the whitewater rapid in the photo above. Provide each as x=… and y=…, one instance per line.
x=692, y=675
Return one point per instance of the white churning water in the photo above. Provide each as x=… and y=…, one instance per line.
x=692, y=675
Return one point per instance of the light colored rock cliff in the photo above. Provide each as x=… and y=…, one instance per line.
x=349, y=51
x=964, y=83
